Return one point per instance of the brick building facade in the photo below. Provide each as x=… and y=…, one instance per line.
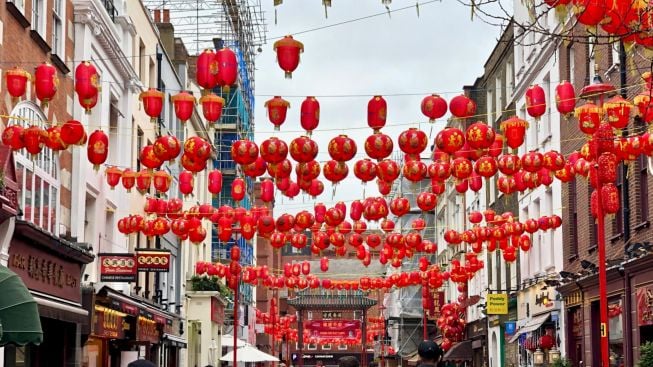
x=628, y=270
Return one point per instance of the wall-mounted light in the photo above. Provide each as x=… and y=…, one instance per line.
x=554, y=355
x=538, y=357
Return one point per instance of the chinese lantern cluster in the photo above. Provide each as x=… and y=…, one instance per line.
x=631, y=21
x=452, y=324
x=217, y=68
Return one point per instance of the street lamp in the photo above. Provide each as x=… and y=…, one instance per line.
x=597, y=92
x=554, y=355
x=538, y=357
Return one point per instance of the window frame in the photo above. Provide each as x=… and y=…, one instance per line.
x=58, y=16
x=38, y=16
x=44, y=169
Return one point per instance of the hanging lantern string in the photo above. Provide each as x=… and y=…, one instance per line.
x=414, y=123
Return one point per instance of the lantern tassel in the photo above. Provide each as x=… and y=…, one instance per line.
x=288, y=75
x=275, y=16
x=417, y=8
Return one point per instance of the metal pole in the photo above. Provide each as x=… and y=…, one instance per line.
x=274, y=341
x=364, y=340
x=603, y=283
x=300, y=337
x=236, y=296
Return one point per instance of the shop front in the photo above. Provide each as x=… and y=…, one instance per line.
x=127, y=329
x=477, y=334
x=51, y=269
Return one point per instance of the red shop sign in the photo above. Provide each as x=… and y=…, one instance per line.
x=147, y=330
x=217, y=311
x=117, y=268
x=644, y=306
x=109, y=323
x=153, y=260
x=332, y=329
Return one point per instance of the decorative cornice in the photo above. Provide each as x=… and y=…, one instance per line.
x=93, y=14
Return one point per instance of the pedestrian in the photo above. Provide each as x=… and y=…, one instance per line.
x=348, y=361
x=141, y=363
x=429, y=353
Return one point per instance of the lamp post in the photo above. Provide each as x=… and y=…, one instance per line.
x=597, y=91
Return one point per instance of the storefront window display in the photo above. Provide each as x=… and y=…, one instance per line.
x=615, y=327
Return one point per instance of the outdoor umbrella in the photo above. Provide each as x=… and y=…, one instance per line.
x=19, y=314
x=249, y=354
x=227, y=341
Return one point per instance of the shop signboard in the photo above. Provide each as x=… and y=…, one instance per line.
x=109, y=323
x=44, y=271
x=154, y=260
x=497, y=304
x=117, y=267
x=147, y=330
x=332, y=329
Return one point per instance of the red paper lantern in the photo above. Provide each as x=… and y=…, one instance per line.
x=192, y=163
x=34, y=138
x=316, y=188
x=167, y=147
x=128, y=179
x=207, y=69
x=387, y=170
x=238, y=189
x=553, y=161
x=461, y=168
x=450, y=140
x=644, y=104
x=509, y=164
x=98, y=148
x=589, y=12
x=610, y=198
x=227, y=68
x=113, y=176
x=412, y=141
x=514, y=129
x=184, y=104
x=215, y=181
x=307, y=171
x=532, y=161
x=535, y=101
x=45, y=82
x=244, y=151
x=267, y=191
x=288, y=50
x=143, y=180
x=433, y=107
x=72, y=133
x=486, y=167
x=152, y=103
x=324, y=264
x=16, y=81
x=427, y=201
x=12, y=136
x=377, y=109
x=186, y=182
x=589, y=117
x=617, y=110
x=479, y=135
x=414, y=171
x=378, y=146
x=365, y=170
x=384, y=187
x=212, y=107
x=148, y=158
x=309, y=115
x=335, y=171
x=86, y=81
x=342, y=148
x=462, y=106
x=277, y=108
x=475, y=182
x=161, y=181
x=496, y=148
x=303, y=149
x=565, y=98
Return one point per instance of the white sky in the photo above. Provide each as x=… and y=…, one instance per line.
x=439, y=51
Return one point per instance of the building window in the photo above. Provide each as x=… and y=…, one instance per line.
x=38, y=13
x=643, y=189
x=572, y=204
x=342, y=347
x=326, y=346
x=57, y=28
x=37, y=176
x=311, y=346
x=571, y=63
x=139, y=146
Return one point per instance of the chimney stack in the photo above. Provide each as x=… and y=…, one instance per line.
x=166, y=15
x=157, y=16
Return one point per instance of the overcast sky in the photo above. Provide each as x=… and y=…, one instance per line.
x=439, y=51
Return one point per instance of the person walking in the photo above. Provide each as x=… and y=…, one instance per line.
x=348, y=361
x=429, y=353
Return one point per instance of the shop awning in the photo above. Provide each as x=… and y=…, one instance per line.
x=459, y=352
x=19, y=314
x=532, y=325
x=174, y=340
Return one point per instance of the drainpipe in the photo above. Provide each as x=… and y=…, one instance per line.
x=624, y=168
x=158, y=293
